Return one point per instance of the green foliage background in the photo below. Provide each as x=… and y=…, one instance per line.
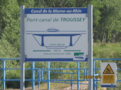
x=107, y=29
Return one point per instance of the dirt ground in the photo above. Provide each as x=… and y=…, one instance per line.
x=74, y=87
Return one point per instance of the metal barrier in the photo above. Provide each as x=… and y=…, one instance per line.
x=57, y=80
x=33, y=73
x=41, y=71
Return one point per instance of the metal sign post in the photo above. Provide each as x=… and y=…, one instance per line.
x=22, y=74
x=90, y=61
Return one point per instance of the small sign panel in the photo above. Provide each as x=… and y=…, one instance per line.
x=108, y=70
x=108, y=79
x=109, y=74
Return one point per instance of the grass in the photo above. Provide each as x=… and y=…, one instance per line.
x=107, y=50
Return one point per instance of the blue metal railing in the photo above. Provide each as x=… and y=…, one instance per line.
x=33, y=69
x=48, y=71
x=40, y=72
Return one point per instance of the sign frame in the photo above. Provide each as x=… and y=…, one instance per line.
x=41, y=56
x=109, y=74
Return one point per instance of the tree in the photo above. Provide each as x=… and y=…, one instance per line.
x=54, y=3
x=27, y=3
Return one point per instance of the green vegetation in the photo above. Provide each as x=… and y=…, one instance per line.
x=110, y=50
x=100, y=50
x=106, y=23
